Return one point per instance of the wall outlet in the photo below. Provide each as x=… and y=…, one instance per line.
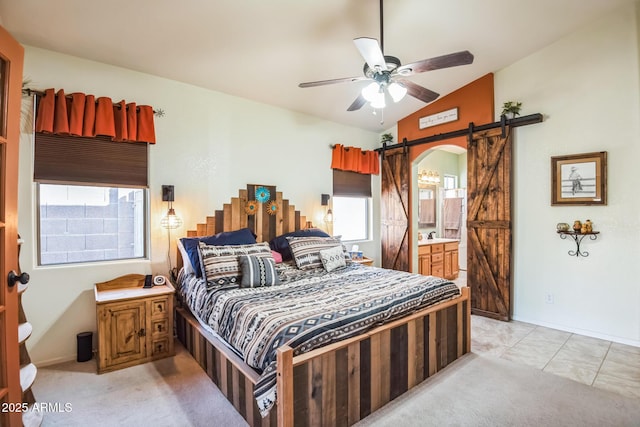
x=548, y=298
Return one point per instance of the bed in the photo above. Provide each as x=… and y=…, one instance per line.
x=335, y=347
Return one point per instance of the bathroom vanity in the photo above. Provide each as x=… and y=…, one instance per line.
x=438, y=257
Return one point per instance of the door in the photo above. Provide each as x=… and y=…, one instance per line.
x=394, y=210
x=11, y=54
x=489, y=223
x=126, y=332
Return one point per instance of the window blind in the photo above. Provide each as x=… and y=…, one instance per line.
x=351, y=184
x=96, y=161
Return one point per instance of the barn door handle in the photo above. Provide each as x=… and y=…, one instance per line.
x=12, y=278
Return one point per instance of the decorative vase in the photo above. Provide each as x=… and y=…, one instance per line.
x=562, y=226
x=577, y=226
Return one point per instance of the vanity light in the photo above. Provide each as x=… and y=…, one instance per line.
x=428, y=177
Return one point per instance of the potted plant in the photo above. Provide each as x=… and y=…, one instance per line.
x=386, y=138
x=511, y=109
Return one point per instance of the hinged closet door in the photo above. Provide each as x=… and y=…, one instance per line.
x=11, y=56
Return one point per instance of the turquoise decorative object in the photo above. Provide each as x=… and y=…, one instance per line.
x=262, y=194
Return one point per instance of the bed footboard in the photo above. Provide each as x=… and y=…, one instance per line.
x=339, y=384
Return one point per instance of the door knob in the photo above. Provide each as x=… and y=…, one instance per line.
x=12, y=278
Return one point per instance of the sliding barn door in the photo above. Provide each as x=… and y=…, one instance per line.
x=394, y=210
x=489, y=223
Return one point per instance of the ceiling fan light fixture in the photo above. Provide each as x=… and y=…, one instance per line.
x=371, y=91
x=378, y=100
x=397, y=91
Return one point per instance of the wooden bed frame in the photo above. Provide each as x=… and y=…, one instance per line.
x=339, y=384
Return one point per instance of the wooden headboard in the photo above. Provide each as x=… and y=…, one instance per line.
x=234, y=216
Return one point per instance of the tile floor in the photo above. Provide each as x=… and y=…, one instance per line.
x=595, y=362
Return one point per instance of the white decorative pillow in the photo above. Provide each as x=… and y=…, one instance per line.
x=333, y=258
x=220, y=264
x=306, y=250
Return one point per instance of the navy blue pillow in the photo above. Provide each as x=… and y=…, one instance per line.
x=281, y=244
x=243, y=236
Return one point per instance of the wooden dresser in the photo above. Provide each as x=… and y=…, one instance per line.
x=135, y=324
x=439, y=258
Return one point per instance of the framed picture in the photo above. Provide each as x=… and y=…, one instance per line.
x=579, y=179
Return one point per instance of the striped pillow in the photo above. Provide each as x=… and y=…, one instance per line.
x=306, y=250
x=220, y=264
x=258, y=271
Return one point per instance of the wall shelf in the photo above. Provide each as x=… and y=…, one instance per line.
x=577, y=237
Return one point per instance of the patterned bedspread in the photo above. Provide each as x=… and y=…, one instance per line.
x=311, y=308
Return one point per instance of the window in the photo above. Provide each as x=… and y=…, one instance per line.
x=91, y=198
x=351, y=205
x=351, y=218
x=449, y=182
x=83, y=223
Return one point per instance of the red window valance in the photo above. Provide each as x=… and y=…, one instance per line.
x=355, y=159
x=84, y=115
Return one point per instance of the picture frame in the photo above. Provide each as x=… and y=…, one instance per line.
x=579, y=179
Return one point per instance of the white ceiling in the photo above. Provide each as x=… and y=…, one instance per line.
x=262, y=49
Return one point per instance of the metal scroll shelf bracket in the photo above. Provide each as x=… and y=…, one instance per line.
x=577, y=237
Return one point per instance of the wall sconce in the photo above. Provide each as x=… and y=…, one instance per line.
x=328, y=216
x=170, y=221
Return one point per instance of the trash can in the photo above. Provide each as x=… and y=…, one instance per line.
x=85, y=344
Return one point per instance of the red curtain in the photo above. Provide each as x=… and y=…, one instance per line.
x=84, y=115
x=355, y=159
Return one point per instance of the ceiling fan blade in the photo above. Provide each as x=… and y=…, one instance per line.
x=371, y=52
x=445, y=61
x=332, y=81
x=419, y=92
x=357, y=104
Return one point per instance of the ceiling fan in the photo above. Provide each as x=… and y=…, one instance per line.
x=388, y=75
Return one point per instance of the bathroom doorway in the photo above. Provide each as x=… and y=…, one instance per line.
x=439, y=198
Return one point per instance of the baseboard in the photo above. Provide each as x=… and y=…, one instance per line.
x=56, y=360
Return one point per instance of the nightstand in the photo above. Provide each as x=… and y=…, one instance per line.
x=135, y=324
x=364, y=261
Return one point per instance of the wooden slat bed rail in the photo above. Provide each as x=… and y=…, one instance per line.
x=339, y=384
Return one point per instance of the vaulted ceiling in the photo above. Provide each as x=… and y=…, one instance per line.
x=261, y=50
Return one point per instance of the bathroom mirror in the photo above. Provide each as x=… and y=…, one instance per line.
x=426, y=205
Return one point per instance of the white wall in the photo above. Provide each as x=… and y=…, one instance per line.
x=209, y=146
x=586, y=85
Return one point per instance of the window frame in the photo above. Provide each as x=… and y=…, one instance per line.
x=145, y=227
x=368, y=218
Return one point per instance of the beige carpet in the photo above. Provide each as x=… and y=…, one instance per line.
x=168, y=392
x=473, y=391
